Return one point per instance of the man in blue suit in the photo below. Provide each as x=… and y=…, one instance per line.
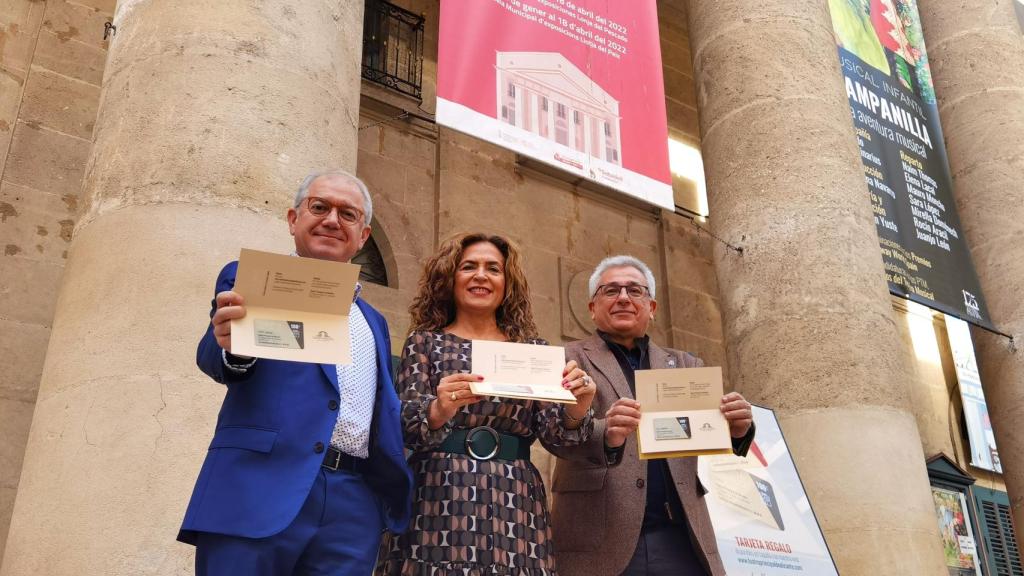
x=306, y=469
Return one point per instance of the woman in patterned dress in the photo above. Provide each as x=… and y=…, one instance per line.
x=473, y=515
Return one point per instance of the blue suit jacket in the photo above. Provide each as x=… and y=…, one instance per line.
x=262, y=463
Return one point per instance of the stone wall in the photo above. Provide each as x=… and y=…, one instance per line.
x=432, y=182
x=52, y=55
x=429, y=182
x=211, y=114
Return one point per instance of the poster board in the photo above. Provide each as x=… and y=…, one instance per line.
x=763, y=521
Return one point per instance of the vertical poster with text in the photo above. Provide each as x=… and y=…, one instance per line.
x=576, y=84
x=979, y=426
x=763, y=521
x=892, y=101
x=958, y=544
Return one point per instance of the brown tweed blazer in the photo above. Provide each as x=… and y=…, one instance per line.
x=596, y=509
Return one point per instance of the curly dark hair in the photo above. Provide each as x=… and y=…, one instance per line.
x=433, y=308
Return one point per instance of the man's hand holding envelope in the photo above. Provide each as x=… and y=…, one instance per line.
x=230, y=306
x=670, y=402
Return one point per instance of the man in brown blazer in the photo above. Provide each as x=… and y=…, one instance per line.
x=611, y=512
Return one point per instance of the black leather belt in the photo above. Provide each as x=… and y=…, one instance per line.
x=335, y=460
x=486, y=443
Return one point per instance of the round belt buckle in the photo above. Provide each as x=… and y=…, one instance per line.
x=472, y=434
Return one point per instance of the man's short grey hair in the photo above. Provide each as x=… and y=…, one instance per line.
x=337, y=172
x=621, y=261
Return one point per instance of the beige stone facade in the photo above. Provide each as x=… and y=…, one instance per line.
x=127, y=181
x=981, y=104
x=51, y=68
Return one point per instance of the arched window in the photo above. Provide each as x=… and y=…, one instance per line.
x=372, y=262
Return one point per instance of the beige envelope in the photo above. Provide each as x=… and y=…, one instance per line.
x=296, y=308
x=514, y=370
x=680, y=413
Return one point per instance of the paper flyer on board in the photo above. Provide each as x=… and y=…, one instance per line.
x=762, y=517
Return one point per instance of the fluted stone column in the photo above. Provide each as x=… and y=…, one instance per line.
x=211, y=114
x=808, y=322
x=976, y=51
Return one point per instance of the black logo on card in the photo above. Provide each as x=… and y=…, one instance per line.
x=297, y=331
x=684, y=423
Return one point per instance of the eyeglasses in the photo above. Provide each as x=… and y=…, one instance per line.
x=612, y=291
x=321, y=208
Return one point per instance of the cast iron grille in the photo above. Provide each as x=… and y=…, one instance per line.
x=393, y=47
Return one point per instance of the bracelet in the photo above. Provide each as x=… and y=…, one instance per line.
x=572, y=421
x=236, y=368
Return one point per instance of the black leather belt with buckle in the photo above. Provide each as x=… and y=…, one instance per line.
x=335, y=460
x=486, y=443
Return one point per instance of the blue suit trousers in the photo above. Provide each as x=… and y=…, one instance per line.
x=337, y=531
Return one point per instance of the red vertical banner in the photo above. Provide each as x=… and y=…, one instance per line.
x=576, y=84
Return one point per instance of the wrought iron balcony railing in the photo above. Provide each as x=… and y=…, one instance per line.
x=393, y=47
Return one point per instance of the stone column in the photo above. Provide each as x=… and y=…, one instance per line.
x=976, y=50
x=210, y=115
x=809, y=326
x=51, y=67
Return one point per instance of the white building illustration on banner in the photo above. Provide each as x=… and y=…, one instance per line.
x=545, y=94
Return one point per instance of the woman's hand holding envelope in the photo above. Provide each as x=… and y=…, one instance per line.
x=453, y=392
x=575, y=380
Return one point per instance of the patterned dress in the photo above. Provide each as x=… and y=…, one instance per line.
x=472, y=517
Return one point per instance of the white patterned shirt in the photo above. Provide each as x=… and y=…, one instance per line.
x=357, y=383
